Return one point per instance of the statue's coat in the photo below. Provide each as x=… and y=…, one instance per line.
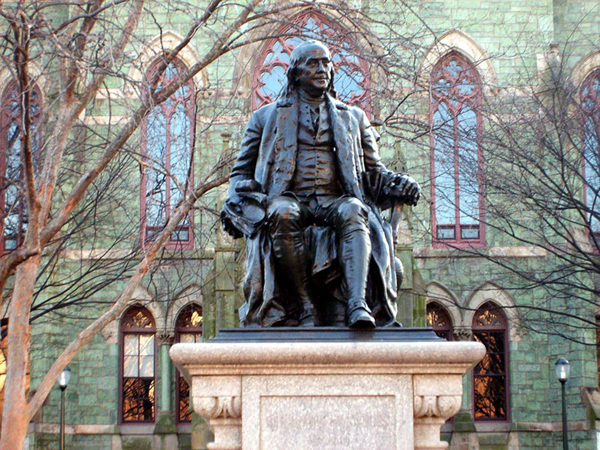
x=268, y=155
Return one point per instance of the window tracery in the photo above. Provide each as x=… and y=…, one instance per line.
x=168, y=145
x=439, y=319
x=351, y=81
x=456, y=97
x=12, y=202
x=590, y=105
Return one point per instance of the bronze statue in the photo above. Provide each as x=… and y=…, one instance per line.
x=305, y=192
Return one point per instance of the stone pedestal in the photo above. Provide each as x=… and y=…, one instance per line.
x=327, y=389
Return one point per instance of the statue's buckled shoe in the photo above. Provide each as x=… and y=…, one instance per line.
x=307, y=319
x=360, y=318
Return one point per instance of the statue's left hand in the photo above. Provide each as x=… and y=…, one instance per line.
x=405, y=188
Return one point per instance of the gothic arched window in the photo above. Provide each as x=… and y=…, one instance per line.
x=490, y=376
x=456, y=97
x=138, y=365
x=351, y=81
x=439, y=319
x=598, y=348
x=590, y=105
x=168, y=141
x=188, y=329
x=13, y=205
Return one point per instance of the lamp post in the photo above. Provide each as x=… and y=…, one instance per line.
x=562, y=368
x=63, y=381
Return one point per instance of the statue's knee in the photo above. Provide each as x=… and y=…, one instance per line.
x=353, y=211
x=284, y=214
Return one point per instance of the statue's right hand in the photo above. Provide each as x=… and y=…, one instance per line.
x=248, y=186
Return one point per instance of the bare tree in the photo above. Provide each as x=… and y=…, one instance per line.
x=69, y=170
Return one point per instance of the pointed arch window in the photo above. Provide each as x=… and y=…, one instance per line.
x=188, y=329
x=439, y=319
x=138, y=365
x=13, y=207
x=455, y=102
x=168, y=141
x=598, y=348
x=351, y=81
x=490, y=376
x=590, y=106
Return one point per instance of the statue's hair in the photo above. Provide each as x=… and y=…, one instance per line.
x=292, y=71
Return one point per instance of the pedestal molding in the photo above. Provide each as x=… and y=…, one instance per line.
x=444, y=406
x=223, y=407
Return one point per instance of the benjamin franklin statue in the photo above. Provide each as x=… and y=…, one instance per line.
x=305, y=192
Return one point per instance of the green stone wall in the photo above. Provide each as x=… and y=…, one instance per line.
x=511, y=34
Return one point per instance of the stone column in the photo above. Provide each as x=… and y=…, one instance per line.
x=165, y=420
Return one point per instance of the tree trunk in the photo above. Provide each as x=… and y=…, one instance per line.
x=14, y=419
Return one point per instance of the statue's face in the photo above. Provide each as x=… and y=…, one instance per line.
x=314, y=72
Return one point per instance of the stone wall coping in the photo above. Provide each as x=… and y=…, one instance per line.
x=311, y=357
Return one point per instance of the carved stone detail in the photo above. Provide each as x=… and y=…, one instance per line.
x=463, y=334
x=218, y=407
x=165, y=338
x=444, y=406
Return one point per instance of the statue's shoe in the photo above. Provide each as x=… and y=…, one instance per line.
x=307, y=318
x=359, y=318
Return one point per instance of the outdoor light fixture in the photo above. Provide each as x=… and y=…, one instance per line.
x=65, y=376
x=562, y=368
x=63, y=381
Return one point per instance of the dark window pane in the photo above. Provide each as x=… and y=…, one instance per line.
x=490, y=397
x=138, y=399
x=185, y=415
x=439, y=319
x=446, y=232
x=188, y=329
x=469, y=232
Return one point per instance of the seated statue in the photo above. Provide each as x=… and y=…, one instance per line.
x=306, y=193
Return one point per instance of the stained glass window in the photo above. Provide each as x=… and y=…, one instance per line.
x=168, y=145
x=12, y=202
x=439, y=319
x=351, y=80
x=490, y=376
x=138, y=365
x=456, y=122
x=188, y=329
x=590, y=105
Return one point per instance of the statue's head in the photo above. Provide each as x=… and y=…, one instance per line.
x=310, y=68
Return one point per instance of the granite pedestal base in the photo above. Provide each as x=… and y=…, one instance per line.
x=342, y=390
